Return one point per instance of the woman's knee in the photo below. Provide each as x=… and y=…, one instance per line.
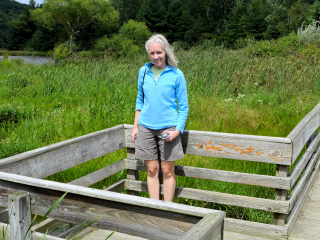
x=152, y=168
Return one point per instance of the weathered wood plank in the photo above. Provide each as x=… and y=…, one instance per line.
x=209, y=227
x=99, y=175
x=116, y=187
x=273, y=150
x=35, y=235
x=20, y=215
x=27, y=184
x=302, y=132
x=132, y=174
x=254, y=229
x=304, y=160
x=219, y=175
x=48, y=160
x=136, y=220
x=297, y=191
x=280, y=194
x=298, y=205
x=223, y=198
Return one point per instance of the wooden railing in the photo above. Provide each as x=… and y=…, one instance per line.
x=299, y=148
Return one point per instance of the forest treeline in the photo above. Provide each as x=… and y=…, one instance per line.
x=106, y=25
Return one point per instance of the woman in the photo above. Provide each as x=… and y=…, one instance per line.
x=162, y=91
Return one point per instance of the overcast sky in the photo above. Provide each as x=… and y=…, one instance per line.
x=27, y=1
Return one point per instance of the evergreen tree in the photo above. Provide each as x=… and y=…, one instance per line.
x=180, y=20
x=20, y=31
x=128, y=9
x=217, y=14
x=154, y=14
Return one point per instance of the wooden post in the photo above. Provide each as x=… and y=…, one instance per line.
x=280, y=194
x=20, y=215
x=132, y=174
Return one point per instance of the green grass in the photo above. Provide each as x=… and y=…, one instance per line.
x=229, y=91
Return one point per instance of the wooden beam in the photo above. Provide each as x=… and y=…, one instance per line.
x=116, y=187
x=151, y=223
x=298, y=205
x=295, y=194
x=304, y=130
x=55, y=158
x=208, y=228
x=223, y=198
x=305, y=159
x=28, y=184
x=132, y=174
x=99, y=175
x=20, y=215
x=281, y=195
x=219, y=175
x=273, y=150
x=256, y=230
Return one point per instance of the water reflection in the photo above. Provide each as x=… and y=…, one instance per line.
x=37, y=60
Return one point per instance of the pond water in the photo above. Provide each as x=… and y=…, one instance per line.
x=38, y=60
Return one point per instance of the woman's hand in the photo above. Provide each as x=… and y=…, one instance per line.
x=134, y=134
x=173, y=135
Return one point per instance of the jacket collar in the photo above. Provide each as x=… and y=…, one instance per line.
x=169, y=67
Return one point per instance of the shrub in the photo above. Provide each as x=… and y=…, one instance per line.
x=280, y=47
x=128, y=42
x=310, y=34
x=60, y=52
x=138, y=32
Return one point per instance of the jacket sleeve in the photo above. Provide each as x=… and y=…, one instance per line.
x=182, y=98
x=139, y=101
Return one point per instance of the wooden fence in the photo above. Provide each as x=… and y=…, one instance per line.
x=299, y=149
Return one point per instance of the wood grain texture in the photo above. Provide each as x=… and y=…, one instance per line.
x=273, y=150
x=46, y=161
x=20, y=215
x=302, y=132
x=255, y=230
x=304, y=160
x=151, y=223
x=298, y=205
x=208, y=228
x=299, y=188
x=35, y=236
x=280, y=194
x=99, y=175
x=223, y=198
x=28, y=183
x=116, y=187
x=219, y=175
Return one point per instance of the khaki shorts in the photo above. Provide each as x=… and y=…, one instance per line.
x=149, y=142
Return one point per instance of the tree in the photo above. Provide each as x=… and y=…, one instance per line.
x=298, y=14
x=154, y=14
x=75, y=14
x=217, y=14
x=128, y=9
x=20, y=31
x=180, y=20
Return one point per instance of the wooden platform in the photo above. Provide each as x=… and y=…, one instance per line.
x=308, y=223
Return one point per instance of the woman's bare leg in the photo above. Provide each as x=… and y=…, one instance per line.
x=153, y=178
x=169, y=180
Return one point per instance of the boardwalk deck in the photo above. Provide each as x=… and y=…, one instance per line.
x=307, y=225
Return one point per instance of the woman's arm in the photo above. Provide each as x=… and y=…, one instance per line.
x=135, y=126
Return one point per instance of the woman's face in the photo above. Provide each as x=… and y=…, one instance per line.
x=157, y=55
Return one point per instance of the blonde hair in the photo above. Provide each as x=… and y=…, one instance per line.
x=171, y=59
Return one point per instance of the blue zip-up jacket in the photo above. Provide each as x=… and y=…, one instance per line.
x=159, y=109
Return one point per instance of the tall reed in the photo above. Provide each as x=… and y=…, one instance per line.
x=228, y=92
